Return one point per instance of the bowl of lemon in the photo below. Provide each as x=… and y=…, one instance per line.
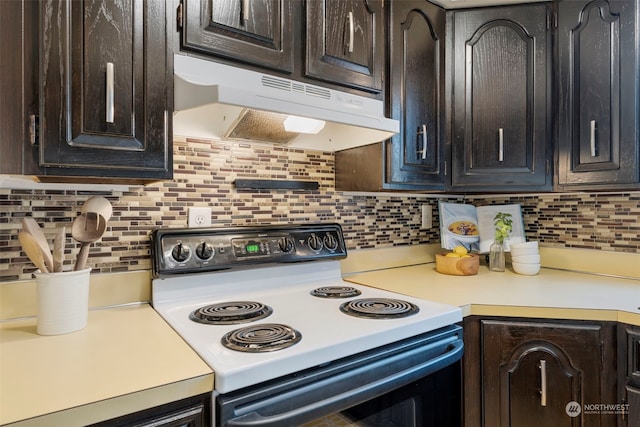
x=458, y=262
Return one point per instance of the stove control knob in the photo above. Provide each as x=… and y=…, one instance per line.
x=180, y=252
x=315, y=242
x=330, y=242
x=204, y=251
x=286, y=245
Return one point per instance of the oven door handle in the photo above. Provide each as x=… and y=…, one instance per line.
x=355, y=396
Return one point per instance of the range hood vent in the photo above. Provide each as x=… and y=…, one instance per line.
x=293, y=86
x=214, y=100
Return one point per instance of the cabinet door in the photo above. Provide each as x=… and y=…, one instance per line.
x=345, y=42
x=501, y=91
x=633, y=399
x=629, y=374
x=106, y=89
x=189, y=412
x=599, y=132
x=18, y=85
x=258, y=32
x=416, y=155
x=531, y=372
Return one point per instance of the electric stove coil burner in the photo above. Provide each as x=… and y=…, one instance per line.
x=261, y=338
x=335, y=292
x=230, y=313
x=379, y=308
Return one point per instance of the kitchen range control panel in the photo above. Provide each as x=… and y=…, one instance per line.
x=192, y=250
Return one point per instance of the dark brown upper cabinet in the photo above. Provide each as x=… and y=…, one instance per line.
x=345, y=43
x=598, y=99
x=417, y=154
x=501, y=99
x=257, y=32
x=415, y=158
x=18, y=86
x=106, y=89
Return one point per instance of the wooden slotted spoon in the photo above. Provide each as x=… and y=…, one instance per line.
x=99, y=205
x=86, y=229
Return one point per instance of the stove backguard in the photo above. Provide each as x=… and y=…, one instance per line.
x=194, y=250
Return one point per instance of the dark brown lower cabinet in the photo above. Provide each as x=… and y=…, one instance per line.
x=190, y=412
x=633, y=400
x=522, y=373
x=629, y=374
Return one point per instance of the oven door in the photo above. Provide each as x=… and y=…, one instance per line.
x=414, y=382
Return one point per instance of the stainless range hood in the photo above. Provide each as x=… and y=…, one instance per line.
x=214, y=100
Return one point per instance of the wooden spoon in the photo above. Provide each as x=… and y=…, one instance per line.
x=31, y=226
x=31, y=247
x=86, y=229
x=58, y=249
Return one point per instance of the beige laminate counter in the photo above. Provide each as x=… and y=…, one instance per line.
x=125, y=360
x=128, y=359
x=550, y=294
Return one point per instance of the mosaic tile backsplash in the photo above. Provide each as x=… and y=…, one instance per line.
x=204, y=175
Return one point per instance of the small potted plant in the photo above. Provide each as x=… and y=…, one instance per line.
x=503, y=226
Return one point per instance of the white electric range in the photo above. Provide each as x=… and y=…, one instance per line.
x=259, y=304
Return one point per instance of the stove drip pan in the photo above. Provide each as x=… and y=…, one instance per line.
x=335, y=292
x=261, y=338
x=379, y=308
x=230, y=313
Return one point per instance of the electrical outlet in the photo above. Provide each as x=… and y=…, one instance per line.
x=199, y=217
x=427, y=217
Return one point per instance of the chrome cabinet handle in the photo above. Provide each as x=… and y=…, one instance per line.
x=351, y=30
x=245, y=10
x=592, y=137
x=500, y=144
x=423, y=132
x=110, y=94
x=543, y=382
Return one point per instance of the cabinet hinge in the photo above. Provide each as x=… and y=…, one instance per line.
x=179, y=16
x=34, y=129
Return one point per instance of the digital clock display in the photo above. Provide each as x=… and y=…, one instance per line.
x=252, y=248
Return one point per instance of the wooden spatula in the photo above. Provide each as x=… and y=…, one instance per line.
x=30, y=226
x=32, y=249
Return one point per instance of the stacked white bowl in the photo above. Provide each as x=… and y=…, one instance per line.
x=525, y=258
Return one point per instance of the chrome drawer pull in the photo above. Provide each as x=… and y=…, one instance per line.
x=543, y=382
x=245, y=10
x=500, y=145
x=351, y=30
x=110, y=94
x=592, y=138
x=423, y=132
